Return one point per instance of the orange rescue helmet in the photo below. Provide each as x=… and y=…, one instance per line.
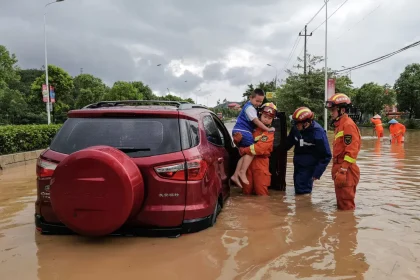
x=269, y=109
x=339, y=100
x=303, y=114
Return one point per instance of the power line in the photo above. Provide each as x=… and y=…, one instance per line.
x=316, y=14
x=342, y=4
x=379, y=58
x=292, y=52
x=301, y=51
x=298, y=38
x=360, y=20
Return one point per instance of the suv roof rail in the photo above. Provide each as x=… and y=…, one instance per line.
x=181, y=105
x=191, y=106
x=130, y=102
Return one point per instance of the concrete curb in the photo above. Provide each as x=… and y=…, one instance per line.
x=19, y=159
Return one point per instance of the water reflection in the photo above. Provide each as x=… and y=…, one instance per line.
x=278, y=237
x=398, y=153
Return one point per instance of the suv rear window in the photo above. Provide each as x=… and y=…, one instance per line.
x=137, y=137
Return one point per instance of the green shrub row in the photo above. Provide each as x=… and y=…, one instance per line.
x=24, y=138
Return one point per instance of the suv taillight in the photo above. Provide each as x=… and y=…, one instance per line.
x=195, y=170
x=44, y=168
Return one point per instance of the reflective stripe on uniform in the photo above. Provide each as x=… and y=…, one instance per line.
x=338, y=96
x=339, y=134
x=349, y=159
x=302, y=111
x=258, y=138
x=252, y=149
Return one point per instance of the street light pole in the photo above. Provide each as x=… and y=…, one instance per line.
x=326, y=69
x=275, y=81
x=46, y=60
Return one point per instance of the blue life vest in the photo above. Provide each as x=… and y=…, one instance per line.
x=243, y=123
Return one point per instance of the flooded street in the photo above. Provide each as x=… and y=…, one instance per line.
x=278, y=237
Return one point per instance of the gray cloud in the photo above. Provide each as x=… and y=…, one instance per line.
x=238, y=76
x=125, y=40
x=213, y=71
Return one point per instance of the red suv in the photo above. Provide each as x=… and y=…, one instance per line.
x=132, y=168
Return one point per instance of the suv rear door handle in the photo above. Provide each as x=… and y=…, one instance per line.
x=220, y=160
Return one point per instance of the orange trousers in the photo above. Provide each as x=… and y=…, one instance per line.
x=397, y=139
x=379, y=131
x=259, y=177
x=345, y=195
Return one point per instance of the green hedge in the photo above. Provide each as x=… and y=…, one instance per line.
x=24, y=138
x=412, y=124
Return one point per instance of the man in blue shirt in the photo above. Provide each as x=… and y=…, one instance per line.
x=312, y=152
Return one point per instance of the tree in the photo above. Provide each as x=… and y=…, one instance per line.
x=123, y=91
x=27, y=77
x=8, y=68
x=145, y=90
x=88, y=89
x=408, y=90
x=63, y=86
x=12, y=106
x=189, y=100
x=308, y=90
x=248, y=91
x=265, y=86
x=371, y=98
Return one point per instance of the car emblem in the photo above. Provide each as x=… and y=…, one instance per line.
x=168, y=194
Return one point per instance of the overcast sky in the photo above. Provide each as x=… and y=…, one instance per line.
x=208, y=47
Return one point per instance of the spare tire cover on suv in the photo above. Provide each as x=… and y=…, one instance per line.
x=94, y=191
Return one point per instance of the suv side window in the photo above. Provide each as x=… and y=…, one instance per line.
x=220, y=129
x=212, y=132
x=194, y=133
x=189, y=134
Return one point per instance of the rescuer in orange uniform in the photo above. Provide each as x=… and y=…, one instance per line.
x=346, y=147
x=376, y=120
x=258, y=173
x=396, y=131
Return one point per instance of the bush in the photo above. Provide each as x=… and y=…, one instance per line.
x=412, y=124
x=24, y=138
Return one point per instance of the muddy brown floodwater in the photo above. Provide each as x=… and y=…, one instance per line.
x=278, y=237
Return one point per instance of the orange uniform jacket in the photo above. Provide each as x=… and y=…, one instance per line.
x=346, y=147
x=258, y=173
x=378, y=127
x=397, y=132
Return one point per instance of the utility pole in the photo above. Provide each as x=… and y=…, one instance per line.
x=81, y=70
x=326, y=68
x=304, y=59
x=49, y=104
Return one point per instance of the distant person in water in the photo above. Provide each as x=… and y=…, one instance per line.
x=242, y=133
x=397, y=131
x=376, y=120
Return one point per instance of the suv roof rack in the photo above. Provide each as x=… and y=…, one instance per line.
x=181, y=105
